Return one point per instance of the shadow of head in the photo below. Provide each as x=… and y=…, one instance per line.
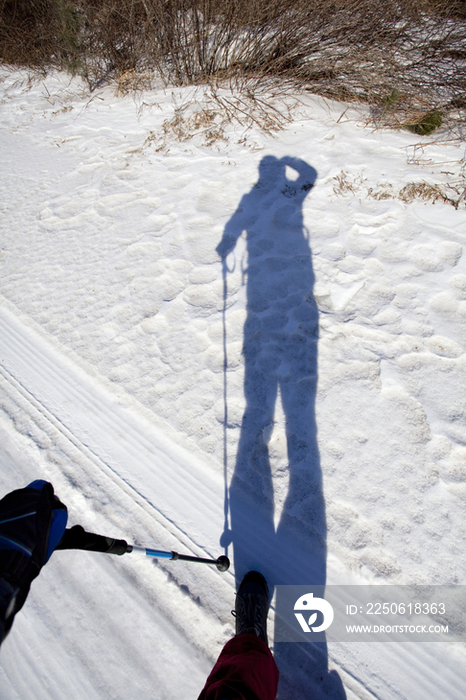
x=273, y=173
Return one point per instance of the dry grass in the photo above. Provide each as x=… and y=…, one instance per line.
x=204, y=112
x=405, y=59
x=451, y=193
x=426, y=192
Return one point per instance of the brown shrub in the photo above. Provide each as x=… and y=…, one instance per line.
x=363, y=50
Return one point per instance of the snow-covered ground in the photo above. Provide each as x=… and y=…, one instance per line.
x=311, y=387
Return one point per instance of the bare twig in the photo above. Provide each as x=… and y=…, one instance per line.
x=406, y=60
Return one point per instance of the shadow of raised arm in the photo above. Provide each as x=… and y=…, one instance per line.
x=305, y=181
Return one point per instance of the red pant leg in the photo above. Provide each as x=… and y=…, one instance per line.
x=245, y=670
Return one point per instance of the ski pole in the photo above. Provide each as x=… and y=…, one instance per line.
x=77, y=538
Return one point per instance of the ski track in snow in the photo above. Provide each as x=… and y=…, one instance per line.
x=111, y=349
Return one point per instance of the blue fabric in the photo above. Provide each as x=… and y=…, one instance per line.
x=24, y=523
x=37, y=484
x=57, y=529
x=58, y=524
x=32, y=523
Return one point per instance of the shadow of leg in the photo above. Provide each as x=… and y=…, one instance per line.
x=251, y=489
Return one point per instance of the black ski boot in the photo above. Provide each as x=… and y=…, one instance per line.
x=252, y=606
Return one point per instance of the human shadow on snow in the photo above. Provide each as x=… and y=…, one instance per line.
x=280, y=357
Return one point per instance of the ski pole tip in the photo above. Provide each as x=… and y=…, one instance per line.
x=222, y=563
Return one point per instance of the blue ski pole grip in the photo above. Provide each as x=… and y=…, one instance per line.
x=77, y=538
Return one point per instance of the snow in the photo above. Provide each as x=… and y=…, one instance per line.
x=341, y=328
